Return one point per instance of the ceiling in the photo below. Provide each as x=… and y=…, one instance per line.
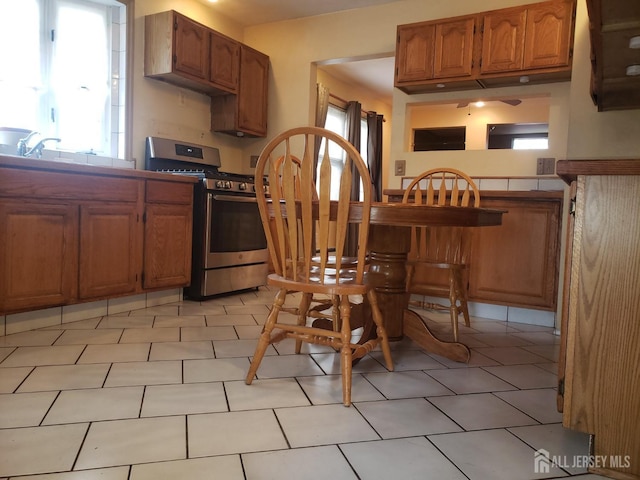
x=255, y=12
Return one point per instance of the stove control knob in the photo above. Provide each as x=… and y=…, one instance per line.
x=242, y=186
x=227, y=185
x=219, y=184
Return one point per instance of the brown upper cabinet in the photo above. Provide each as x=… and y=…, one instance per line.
x=432, y=50
x=186, y=53
x=493, y=48
x=244, y=113
x=183, y=52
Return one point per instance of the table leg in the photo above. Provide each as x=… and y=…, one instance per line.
x=415, y=328
x=388, y=246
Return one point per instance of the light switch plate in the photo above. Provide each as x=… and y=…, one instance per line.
x=253, y=162
x=400, y=167
x=546, y=166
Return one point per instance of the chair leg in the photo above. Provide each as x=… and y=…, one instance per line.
x=462, y=297
x=453, y=303
x=303, y=308
x=345, y=351
x=381, y=332
x=265, y=336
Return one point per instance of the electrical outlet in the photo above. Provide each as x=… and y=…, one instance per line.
x=546, y=166
x=400, y=167
x=254, y=161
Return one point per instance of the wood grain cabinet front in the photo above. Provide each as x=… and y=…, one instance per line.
x=599, y=385
x=69, y=238
x=109, y=250
x=434, y=50
x=527, y=38
x=529, y=43
x=184, y=52
x=38, y=254
x=168, y=232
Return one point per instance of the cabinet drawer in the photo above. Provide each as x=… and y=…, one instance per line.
x=169, y=192
x=66, y=186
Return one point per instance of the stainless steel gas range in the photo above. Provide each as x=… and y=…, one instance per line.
x=229, y=245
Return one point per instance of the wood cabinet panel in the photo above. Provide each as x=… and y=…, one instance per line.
x=109, y=255
x=453, y=56
x=38, y=254
x=167, y=255
x=190, y=47
x=169, y=192
x=549, y=33
x=224, y=61
x=517, y=262
x=600, y=383
x=503, y=41
x=414, y=52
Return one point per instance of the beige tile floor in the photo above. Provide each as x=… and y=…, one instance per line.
x=159, y=394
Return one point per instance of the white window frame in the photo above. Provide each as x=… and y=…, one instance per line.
x=113, y=140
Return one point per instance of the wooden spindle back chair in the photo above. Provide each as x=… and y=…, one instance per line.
x=446, y=248
x=298, y=228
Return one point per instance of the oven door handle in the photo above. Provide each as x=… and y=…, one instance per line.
x=233, y=198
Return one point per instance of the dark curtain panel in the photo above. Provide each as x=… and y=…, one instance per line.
x=354, y=116
x=374, y=153
x=322, y=107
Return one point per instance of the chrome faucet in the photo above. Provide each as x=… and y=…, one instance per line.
x=37, y=148
x=22, y=144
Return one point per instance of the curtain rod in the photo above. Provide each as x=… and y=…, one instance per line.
x=347, y=101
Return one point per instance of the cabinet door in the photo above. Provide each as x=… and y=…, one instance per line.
x=602, y=387
x=454, y=48
x=252, y=92
x=414, y=52
x=518, y=261
x=224, y=62
x=39, y=264
x=167, y=246
x=503, y=40
x=191, y=48
x=109, y=250
x=548, y=38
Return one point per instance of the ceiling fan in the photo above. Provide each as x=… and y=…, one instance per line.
x=513, y=102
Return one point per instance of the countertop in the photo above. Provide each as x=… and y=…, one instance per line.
x=12, y=161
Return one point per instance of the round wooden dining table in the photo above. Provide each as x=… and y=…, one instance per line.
x=389, y=243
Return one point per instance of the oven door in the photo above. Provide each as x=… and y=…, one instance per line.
x=234, y=234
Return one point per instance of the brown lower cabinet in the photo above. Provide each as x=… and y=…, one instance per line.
x=516, y=263
x=73, y=234
x=598, y=380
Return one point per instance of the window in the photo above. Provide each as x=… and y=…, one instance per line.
x=337, y=123
x=447, y=138
x=518, y=136
x=65, y=77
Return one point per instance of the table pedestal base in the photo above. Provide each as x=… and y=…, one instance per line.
x=415, y=328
